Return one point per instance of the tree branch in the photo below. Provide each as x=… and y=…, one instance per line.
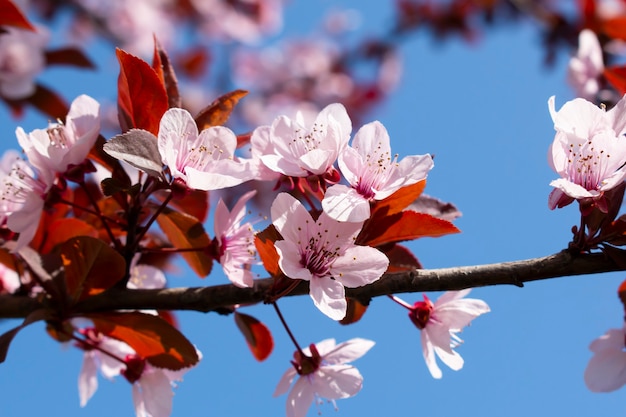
x=221, y=297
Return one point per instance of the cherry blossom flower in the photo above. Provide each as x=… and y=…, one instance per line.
x=204, y=161
x=22, y=197
x=61, y=146
x=21, y=59
x=584, y=69
x=373, y=174
x=323, y=252
x=240, y=20
x=323, y=372
x=235, y=241
x=588, y=151
x=298, y=151
x=606, y=370
x=439, y=324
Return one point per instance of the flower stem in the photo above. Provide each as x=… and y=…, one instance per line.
x=291, y=336
x=400, y=301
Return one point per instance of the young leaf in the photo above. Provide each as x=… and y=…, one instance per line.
x=399, y=200
x=257, y=335
x=139, y=148
x=163, y=67
x=61, y=230
x=90, y=266
x=49, y=103
x=264, y=243
x=186, y=232
x=218, y=112
x=150, y=336
x=192, y=202
x=354, y=311
x=407, y=225
x=12, y=16
x=142, y=98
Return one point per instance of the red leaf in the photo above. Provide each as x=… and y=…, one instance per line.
x=150, y=336
x=617, y=77
x=10, y=15
x=264, y=242
x=400, y=259
x=192, y=202
x=615, y=27
x=193, y=61
x=354, y=312
x=142, y=98
x=407, y=225
x=90, y=265
x=186, y=232
x=163, y=67
x=48, y=102
x=400, y=200
x=218, y=112
x=68, y=56
x=257, y=335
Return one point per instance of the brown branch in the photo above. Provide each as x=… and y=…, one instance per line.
x=205, y=299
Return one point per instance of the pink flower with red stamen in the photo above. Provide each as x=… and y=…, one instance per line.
x=323, y=372
x=323, y=252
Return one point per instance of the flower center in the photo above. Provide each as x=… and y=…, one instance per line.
x=316, y=257
x=380, y=166
x=420, y=313
x=306, y=365
x=587, y=165
x=57, y=136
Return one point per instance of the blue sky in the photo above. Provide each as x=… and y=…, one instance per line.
x=482, y=111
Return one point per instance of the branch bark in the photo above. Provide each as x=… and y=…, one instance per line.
x=221, y=297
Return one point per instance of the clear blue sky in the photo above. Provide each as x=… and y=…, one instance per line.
x=482, y=111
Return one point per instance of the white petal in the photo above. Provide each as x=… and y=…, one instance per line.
x=337, y=381
x=300, y=398
x=288, y=214
x=157, y=393
x=285, y=382
x=359, y=265
x=88, y=378
x=348, y=351
x=606, y=371
x=429, y=355
x=345, y=204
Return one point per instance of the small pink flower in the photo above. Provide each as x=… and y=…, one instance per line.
x=373, y=174
x=60, y=146
x=588, y=151
x=440, y=322
x=22, y=197
x=235, y=241
x=299, y=151
x=21, y=60
x=606, y=370
x=324, y=373
x=584, y=69
x=204, y=161
x=323, y=252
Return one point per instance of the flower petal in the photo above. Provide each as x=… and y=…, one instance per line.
x=329, y=297
x=345, y=204
x=359, y=265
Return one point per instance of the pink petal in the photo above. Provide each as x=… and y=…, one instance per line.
x=88, y=378
x=175, y=129
x=429, y=355
x=317, y=161
x=440, y=338
x=337, y=381
x=359, y=265
x=345, y=204
x=347, y=351
x=285, y=382
x=289, y=260
x=606, y=371
x=157, y=393
x=288, y=215
x=329, y=297
x=300, y=398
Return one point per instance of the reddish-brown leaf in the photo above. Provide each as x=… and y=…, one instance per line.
x=186, y=232
x=401, y=199
x=617, y=77
x=407, y=225
x=264, y=242
x=400, y=258
x=354, y=311
x=90, y=266
x=150, y=336
x=61, y=230
x=192, y=202
x=10, y=15
x=142, y=98
x=218, y=112
x=163, y=67
x=68, y=56
x=193, y=62
x=615, y=27
x=48, y=102
x=621, y=292
x=257, y=335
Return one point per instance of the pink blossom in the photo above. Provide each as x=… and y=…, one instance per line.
x=324, y=373
x=235, y=241
x=240, y=20
x=60, y=146
x=22, y=197
x=299, y=151
x=204, y=161
x=373, y=174
x=439, y=324
x=21, y=60
x=584, y=69
x=323, y=252
x=588, y=151
x=606, y=370
x=9, y=280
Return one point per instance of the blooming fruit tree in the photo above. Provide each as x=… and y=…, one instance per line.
x=90, y=222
